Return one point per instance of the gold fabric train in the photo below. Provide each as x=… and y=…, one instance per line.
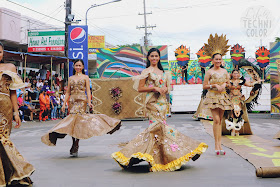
x=162, y=146
x=79, y=124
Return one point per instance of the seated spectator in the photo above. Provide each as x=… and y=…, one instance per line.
x=34, y=89
x=27, y=80
x=46, y=86
x=31, y=109
x=22, y=107
x=39, y=85
x=37, y=75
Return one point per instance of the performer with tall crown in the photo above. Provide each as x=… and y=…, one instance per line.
x=215, y=81
x=162, y=146
x=79, y=124
x=14, y=169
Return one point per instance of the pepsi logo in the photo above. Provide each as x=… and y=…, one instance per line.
x=78, y=35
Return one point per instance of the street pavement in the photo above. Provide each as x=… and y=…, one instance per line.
x=95, y=167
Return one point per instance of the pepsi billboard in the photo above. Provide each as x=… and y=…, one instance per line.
x=78, y=45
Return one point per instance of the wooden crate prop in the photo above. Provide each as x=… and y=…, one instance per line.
x=128, y=104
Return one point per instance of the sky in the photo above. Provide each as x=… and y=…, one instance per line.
x=178, y=22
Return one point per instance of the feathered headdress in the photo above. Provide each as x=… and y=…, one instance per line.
x=217, y=44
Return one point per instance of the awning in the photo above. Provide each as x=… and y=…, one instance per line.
x=33, y=58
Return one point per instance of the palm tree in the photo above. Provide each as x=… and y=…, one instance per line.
x=277, y=39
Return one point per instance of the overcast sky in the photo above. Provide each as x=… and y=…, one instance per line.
x=187, y=22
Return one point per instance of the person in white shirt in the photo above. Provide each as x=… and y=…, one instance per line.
x=39, y=84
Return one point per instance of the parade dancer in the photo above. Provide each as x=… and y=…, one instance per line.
x=14, y=169
x=236, y=121
x=79, y=124
x=162, y=146
x=216, y=79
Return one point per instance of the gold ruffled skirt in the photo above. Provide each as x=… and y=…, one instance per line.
x=81, y=126
x=215, y=99
x=163, y=147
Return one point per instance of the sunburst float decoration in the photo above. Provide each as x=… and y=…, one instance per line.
x=262, y=56
x=217, y=44
x=237, y=53
x=182, y=54
x=203, y=59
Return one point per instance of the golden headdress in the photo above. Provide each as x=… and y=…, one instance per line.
x=217, y=44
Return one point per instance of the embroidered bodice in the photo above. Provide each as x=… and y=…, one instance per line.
x=78, y=87
x=78, y=99
x=219, y=79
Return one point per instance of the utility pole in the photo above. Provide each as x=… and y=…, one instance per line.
x=68, y=6
x=145, y=25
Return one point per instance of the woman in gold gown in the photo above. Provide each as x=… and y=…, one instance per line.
x=78, y=124
x=14, y=169
x=162, y=146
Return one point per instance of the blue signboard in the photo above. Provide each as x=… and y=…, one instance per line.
x=78, y=45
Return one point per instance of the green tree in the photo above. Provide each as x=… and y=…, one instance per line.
x=277, y=39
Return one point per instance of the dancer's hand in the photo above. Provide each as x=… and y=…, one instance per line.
x=17, y=119
x=90, y=105
x=165, y=89
x=159, y=90
x=219, y=88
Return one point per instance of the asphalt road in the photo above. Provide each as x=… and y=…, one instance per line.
x=95, y=167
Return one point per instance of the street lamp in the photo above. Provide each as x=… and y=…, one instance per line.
x=92, y=6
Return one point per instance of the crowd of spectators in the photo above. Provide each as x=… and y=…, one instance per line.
x=41, y=98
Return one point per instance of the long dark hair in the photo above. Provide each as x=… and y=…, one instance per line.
x=213, y=56
x=148, y=61
x=74, y=62
x=3, y=51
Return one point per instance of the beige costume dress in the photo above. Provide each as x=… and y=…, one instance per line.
x=238, y=104
x=14, y=169
x=215, y=99
x=162, y=146
x=78, y=123
x=202, y=112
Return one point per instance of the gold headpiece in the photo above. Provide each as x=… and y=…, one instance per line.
x=217, y=44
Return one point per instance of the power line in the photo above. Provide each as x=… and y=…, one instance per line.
x=24, y=19
x=61, y=6
x=34, y=11
x=46, y=22
x=100, y=28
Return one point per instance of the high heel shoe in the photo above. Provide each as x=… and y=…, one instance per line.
x=222, y=152
x=217, y=152
x=74, y=151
